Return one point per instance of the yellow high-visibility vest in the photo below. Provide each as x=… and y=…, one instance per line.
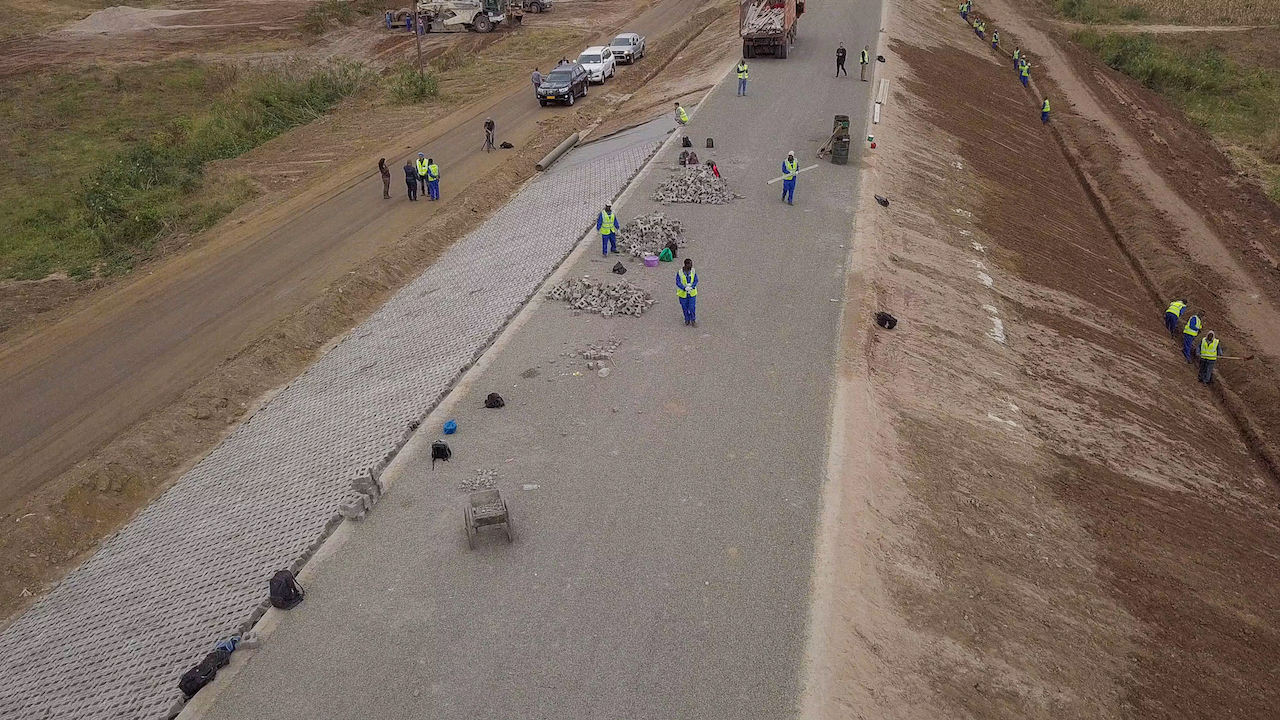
x=687, y=282
x=1046, y=106
x=1209, y=349
x=742, y=71
x=422, y=168
x=864, y=57
x=1193, y=326
x=684, y=116
x=1176, y=307
x=790, y=166
x=433, y=172
x=606, y=223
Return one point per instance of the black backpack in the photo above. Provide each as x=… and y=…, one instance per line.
x=686, y=142
x=285, y=590
x=620, y=269
x=494, y=400
x=886, y=321
x=203, y=673
x=440, y=451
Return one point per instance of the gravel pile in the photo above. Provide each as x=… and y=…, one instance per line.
x=762, y=18
x=696, y=184
x=615, y=298
x=483, y=480
x=649, y=234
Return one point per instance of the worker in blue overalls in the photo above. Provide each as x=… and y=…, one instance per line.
x=607, y=224
x=433, y=179
x=789, y=178
x=687, y=291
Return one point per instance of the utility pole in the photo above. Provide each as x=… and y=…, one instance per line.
x=417, y=34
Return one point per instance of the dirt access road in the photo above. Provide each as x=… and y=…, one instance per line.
x=67, y=389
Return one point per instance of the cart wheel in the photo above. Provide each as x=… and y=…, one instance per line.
x=509, y=538
x=471, y=532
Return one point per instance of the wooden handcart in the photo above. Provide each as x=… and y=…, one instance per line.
x=486, y=508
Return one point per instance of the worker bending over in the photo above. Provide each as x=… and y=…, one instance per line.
x=607, y=224
x=1208, y=356
x=789, y=178
x=687, y=291
x=1189, y=333
x=682, y=117
x=433, y=179
x=1172, y=315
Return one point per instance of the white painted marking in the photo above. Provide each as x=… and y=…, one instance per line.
x=997, y=330
x=797, y=172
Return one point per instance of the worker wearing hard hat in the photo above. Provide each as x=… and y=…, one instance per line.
x=607, y=225
x=789, y=178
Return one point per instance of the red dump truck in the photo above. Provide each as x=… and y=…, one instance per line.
x=768, y=26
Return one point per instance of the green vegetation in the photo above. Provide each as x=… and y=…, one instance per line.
x=407, y=84
x=97, y=165
x=1099, y=11
x=325, y=15
x=1237, y=104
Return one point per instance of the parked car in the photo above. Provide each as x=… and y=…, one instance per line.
x=536, y=6
x=566, y=83
x=627, y=47
x=599, y=63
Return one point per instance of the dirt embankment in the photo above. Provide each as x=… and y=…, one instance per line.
x=1041, y=513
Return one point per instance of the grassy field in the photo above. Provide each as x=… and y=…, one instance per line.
x=99, y=164
x=1178, y=12
x=1238, y=104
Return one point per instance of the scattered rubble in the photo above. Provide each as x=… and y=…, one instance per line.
x=489, y=509
x=602, y=351
x=649, y=234
x=620, y=297
x=694, y=184
x=483, y=480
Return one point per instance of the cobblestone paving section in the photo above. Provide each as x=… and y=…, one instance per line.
x=113, y=638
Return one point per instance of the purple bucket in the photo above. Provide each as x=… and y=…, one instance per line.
x=651, y=261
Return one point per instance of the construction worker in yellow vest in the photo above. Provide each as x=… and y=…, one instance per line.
x=1208, y=356
x=995, y=40
x=866, y=60
x=1189, y=333
x=687, y=291
x=1172, y=315
x=682, y=117
x=742, y=77
x=433, y=179
x=1044, y=111
x=1017, y=55
x=789, y=172
x=607, y=225
x=1024, y=71
x=422, y=171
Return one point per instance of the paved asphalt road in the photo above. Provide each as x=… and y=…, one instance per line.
x=68, y=390
x=661, y=567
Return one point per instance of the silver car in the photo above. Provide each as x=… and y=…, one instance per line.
x=627, y=47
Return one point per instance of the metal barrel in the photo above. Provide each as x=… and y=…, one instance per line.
x=840, y=150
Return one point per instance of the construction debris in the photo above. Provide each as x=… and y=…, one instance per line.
x=649, y=234
x=762, y=18
x=607, y=299
x=483, y=480
x=694, y=184
x=603, y=351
